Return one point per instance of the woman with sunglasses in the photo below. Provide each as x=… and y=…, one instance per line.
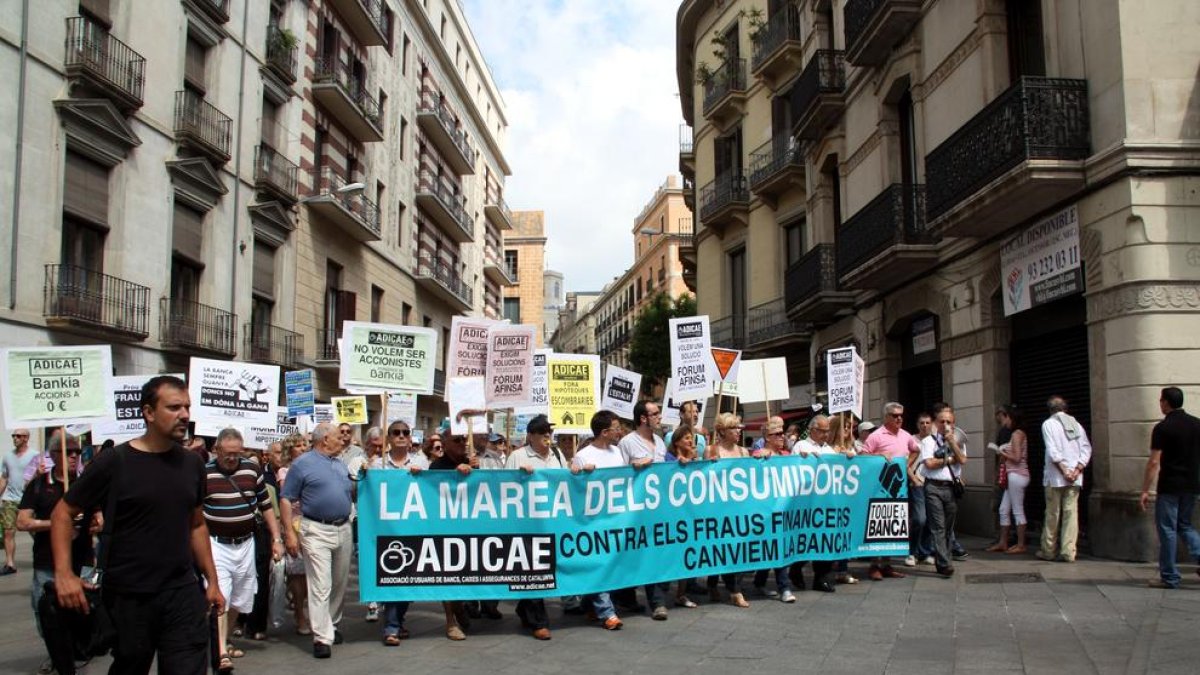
x=433, y=447
x=727, y=446
x=775, y=443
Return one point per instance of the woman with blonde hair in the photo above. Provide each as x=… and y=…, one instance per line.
x=727, y=445
x=844, y=437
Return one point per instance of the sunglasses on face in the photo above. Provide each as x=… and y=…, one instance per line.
x=437, y=448
x=401, y=432
x=896, y=415
x=775, y=433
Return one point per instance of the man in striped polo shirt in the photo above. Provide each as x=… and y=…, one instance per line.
x=235, y=494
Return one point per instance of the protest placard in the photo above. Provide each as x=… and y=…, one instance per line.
x=846, y=372
x=128, y=422
x=322, y=413
x=725, y=363
x=298, y=387
x=401, y=406
x=691, y=357
x=468, y=346
x=574, y=386
x=50, y=386
x=509, y=365
x=386, y=356
x=763, y=380
x=466, y=393
x=349, y=409
x=260, y=437
x=620, y=390
x=232, y=392
x=670, y=407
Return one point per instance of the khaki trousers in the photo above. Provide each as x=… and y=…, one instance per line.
x=1061, y=526
x=327, y=551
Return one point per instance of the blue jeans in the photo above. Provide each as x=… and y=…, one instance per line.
x=393, y=617
x=37, y=590
x=920, y=538
x=1173, y=517
x=601, y=605
x=782, y=581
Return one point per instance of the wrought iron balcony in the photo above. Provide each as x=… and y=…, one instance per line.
x=275, y=175
x=201, y=127
x=217, y=10
x=776, y=167
x=874, y=27
x=347, y=99
x=445, y=207
x=281, y=54
x=438, y=123
x=1021, y=154
x=365, y=19
x=886, y=242
x=724, y=201
x=327, y=345
x=191, y=326
x=769, y=326
x=345, y=206
x=496, y=211
x=811, y=288
x=729, y=332
x=687, y=151
x=778, y=47
x=272, y=344
x=495, y=268
x=440, y=278
x=818, y=97
x=85, y=300
x=725, y=90
x=104, y=63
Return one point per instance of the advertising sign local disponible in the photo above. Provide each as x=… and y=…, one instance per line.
x=386, y=356
x=49, y=386
x=1042, y=263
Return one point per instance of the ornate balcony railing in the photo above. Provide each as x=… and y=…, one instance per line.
x=274, y=172
x=218, y=10
x=431, y=103
x=1036, y=118
x=729, y=331
x=727, y=189
x=198, y=121
x=896, y=216
x=272, y=344
x=774, y=156
x=769, y=321
x=185, y=324
x=327, y=344
x=91, y=51
x=281, y=53
x=856, y=15
x=331, y=70
x=815, y=272
x=78, y=295
x=783, y=26
x=365, y=19
x=728, y=78
x=824, y=75
x=456, y=204
x=435, y=268
x=326, y=183
x=686, y=146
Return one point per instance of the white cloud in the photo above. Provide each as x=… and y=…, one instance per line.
x=590, y=93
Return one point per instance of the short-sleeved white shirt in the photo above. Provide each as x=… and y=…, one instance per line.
x=601, y=458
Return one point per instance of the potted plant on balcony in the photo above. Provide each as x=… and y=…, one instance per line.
x=754, y=17
x=704, y=73
x=282, y=41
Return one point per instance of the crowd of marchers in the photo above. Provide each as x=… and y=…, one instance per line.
x=204, y=543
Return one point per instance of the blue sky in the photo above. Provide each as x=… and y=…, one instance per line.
x=593, y=114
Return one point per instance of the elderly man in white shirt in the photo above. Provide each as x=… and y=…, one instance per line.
x=1068, y=452
x=942, y=458
x=815, y=445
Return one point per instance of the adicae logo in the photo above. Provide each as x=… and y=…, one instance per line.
x=396, y=557
x=891, y=478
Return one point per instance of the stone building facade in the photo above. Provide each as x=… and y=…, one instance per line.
x=525, y=258
x=896, y=172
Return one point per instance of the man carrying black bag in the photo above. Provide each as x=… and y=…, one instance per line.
x=158, y=532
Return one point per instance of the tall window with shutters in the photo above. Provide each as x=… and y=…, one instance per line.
x=187, y=265
x=262, y=303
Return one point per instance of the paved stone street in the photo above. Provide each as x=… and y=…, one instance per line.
x=998, y=614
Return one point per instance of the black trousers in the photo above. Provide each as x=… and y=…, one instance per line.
x=172, y=624
x=533, y=613
x=256, y=620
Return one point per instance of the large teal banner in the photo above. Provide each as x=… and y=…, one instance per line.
x=508, y=534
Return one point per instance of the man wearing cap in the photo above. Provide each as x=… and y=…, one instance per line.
x=865, y=428
x=602, y=453
x=320, y=482
x=896, y=445
x=537, y=454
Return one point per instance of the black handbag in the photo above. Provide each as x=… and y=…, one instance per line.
x=71, y=635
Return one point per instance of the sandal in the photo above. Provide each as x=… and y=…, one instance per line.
x=225, y=665
x=996, y=548
x=684, y=601
x=234, y=652
x=391, y=640
x=1017, y=549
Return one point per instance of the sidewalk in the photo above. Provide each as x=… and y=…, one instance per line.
x=999, y=614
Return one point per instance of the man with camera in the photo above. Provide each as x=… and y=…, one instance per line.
x=942, y=458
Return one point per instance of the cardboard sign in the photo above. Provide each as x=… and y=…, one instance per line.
x=261, y=437
x=468, y=346
x=539, y=396
x=51, y=386
x=846, y=373
x=509, y=365
x=763, y=380
x=671, y=405
x=466, y=393
x=388, y=357
x=401, y=406
x=691, y=357
x=128, y=423
x=233, y=393
x=574, y=382
x=322, y=414
x=350, y=409
x=620, y=390
x=298, y=387
x=725, y=363
x=726, y=389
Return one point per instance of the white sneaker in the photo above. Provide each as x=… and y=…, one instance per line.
x=372, y=612
x=910, y=561
x=928, y=560
x=788, y=597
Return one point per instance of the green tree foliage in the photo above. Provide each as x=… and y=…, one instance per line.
x=650, y=345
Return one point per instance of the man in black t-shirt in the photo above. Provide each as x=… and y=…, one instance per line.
x=159, y=537
x=1175, y=460
x=456, y=456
